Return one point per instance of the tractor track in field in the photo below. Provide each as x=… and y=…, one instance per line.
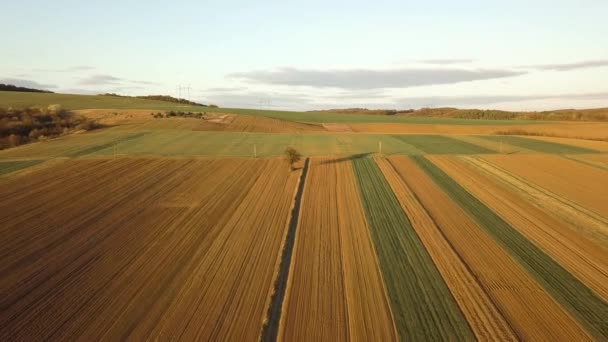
x=270, y=329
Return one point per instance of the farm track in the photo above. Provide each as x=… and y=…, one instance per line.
x=486, y=321
x=579, y=300
x=566, y=178
x=530, y=310
x=581, y=219
x=422, y=305
x=335, y=290
x=580, y=256
x=128, y=251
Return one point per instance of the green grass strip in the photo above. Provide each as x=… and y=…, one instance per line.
x=12, y=166
x=538, y=145
x=573, y=295
x=438, y=144
x=422, y=305
x=584, y=162
x=97, y=148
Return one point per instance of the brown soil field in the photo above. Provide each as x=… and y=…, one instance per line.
x=582, y=220
x=335, y=290
x=244, y=123
x=119, y=239
x=563, y=129
x=583, y=258
x=336, y=127
x=574, y=181
x=119, y=116
x=484, y=318
x=532, y=313
x=233, y=282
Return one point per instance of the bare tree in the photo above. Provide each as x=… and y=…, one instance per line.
x=293, y=156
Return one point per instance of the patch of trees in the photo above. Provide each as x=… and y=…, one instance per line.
x=21, y=126
x=599, y=114
x=366, y=111
x=10, y=87
x=165, y=98
x=174, y=114
x=172, y=99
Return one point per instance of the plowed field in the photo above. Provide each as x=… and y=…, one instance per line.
x=529, y=309
x=335, y=290
x=485, y=319
x=158, y=248
x=566, y=178
x=583, y=258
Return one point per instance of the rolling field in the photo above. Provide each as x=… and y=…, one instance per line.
x=199, y=229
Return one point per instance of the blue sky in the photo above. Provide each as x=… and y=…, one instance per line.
x=525, y=55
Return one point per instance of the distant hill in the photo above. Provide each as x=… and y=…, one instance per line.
x=598, y=114
x=364, y=111
x=10, y=87
x=165, y=98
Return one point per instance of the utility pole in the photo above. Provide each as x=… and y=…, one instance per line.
x=255, y=151
x=379, y=147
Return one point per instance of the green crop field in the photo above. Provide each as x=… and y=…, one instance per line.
x=581, y=301
x=539, y=145
x=171, y=142
x=126, y=141
x=423, y=306
x=438, y=144
x=12, y=166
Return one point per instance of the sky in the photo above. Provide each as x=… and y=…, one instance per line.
x=305, y=55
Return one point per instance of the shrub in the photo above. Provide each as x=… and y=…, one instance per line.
x=293, y=156
x=20, y=126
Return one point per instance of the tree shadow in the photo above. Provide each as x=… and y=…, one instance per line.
x=348, y=158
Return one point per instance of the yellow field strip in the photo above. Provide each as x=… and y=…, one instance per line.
x=582, y=220
x=335, y=290
x=569, y=179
